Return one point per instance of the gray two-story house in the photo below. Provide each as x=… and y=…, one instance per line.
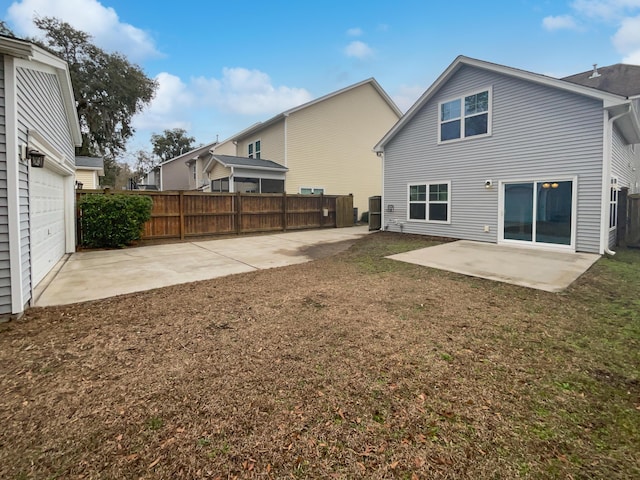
x=497, y=154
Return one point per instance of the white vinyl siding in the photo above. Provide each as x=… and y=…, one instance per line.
x=560, y=136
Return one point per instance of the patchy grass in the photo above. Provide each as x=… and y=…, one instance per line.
x=353, y=366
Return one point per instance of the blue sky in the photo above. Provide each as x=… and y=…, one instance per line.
x=223, y=66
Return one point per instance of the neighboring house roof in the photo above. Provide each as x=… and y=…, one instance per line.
x=610, y=100
x=280, y=116
x=253, y=163
x=26, y=50
x=621, y=79
x=191, y=154
x=90, y=163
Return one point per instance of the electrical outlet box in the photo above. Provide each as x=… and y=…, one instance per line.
x=486, y=228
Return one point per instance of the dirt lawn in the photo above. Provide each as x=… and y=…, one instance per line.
x=351, y=366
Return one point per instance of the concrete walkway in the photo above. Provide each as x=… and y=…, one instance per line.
x=548, y=270
x=98, y=274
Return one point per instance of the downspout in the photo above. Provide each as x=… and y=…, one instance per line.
x=286, y=159
x=382, y=209
x=606, y=181
x=232, y=188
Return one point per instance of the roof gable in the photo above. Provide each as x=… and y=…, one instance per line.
x=29, y=52
x=608, y=99
x=372, y=81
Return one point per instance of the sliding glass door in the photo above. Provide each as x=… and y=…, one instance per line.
x=538, y=212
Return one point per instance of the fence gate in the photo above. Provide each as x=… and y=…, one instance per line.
x=344, y=211
x=375, y=213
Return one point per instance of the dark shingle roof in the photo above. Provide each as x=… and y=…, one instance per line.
x=620, y=79
x=229, y=160
x=90, y=162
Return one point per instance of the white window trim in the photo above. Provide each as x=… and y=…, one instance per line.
x=427, y=202
x=615, y=186
x=312, y=190
x=540, y=245
x=461, y=98
x=255, y=152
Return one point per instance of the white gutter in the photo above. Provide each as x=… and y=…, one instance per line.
x=606, y=180
x=286, y=121
x=231, y=181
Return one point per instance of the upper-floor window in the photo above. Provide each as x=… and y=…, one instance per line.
x=254, y=149
x=464, y=117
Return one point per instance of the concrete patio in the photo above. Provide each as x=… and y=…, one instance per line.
x=548, y=270
x=97, y=274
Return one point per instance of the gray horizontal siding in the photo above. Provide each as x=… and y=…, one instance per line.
x=5, y=271
x=625, y=164
x=538, y=133
x=41, y=107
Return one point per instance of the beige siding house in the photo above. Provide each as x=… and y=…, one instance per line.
x=88, y=172
x=323, y=146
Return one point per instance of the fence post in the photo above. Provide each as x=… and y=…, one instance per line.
x=238, y=213
x=284, y=211
x=321, y=209
x=181, y=207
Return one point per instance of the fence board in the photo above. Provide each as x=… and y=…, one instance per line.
x=181, y=214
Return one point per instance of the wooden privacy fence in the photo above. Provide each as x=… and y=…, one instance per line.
x=182, y=214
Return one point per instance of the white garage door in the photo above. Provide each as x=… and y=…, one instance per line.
x=47, y=221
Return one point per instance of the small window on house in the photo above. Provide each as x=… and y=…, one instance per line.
x=220, y=185
x=311, y=190
x=257, y=149
x=250, y=153
x=193, y=171
x=613, y=203
x=430, y=202
x=465, y=117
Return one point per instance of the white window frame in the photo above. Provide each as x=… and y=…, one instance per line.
x=321, y=190
x=462, y=117
x=254, y=148
x=427, y=202
x=613, y=203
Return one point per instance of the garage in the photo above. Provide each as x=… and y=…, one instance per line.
x=47, y=220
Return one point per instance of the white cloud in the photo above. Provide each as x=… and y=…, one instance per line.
x=623, y=15
x=560, y=22
x=627, y=39
x=169, y=108
x=354, y=32
x=604, y=9
x=247, y=92
x=407, y=95
x=90, y=16
x=358, y=49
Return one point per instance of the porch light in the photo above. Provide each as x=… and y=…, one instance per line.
x=554, y=185
x=546, y=185
x=37, y=158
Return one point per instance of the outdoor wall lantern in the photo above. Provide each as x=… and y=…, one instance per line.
x=37, y=158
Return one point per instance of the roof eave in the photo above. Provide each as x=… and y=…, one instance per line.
x=608, y=99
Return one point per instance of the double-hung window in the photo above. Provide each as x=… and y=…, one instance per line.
x=465, y=117
x=254, y=149
x=430, y=202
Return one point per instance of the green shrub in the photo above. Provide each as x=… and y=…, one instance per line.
x=113, y=220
